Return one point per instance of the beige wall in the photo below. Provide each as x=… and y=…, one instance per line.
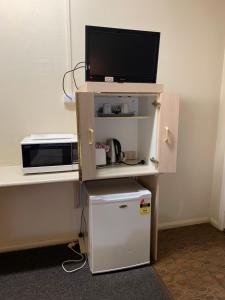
x=38, y=215
x=218, y=175
x=33, y=59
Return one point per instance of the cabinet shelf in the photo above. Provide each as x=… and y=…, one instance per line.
x=124, y=118
x=117, y=171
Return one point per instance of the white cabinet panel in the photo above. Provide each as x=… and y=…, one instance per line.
x=168, y=133
x=86, y=135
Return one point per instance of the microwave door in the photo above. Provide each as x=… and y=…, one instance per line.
x=42, y=155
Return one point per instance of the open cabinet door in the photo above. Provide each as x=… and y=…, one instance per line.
x=86, y=135
x=168, y=133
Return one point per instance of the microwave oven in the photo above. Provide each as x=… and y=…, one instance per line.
x=44, y=153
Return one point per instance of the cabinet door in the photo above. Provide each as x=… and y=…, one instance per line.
x=86, y=135
x=168, y=133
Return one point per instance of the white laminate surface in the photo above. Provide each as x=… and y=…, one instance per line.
x=125, y=171
x=13, y=175
x=123, y=118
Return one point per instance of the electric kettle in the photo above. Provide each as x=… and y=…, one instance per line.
x=115, y=152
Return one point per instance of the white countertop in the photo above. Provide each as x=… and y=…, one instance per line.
x=13, y=176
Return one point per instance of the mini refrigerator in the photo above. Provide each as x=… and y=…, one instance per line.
x=118, y=218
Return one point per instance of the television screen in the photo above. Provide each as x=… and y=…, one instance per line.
x=121, y=55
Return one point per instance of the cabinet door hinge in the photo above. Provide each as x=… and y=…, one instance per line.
x=155, y=161
x=156, y=104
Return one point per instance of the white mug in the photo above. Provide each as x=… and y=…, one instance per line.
x=107, y=108
x=125, y=108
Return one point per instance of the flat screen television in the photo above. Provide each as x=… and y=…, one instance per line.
x=121, y=55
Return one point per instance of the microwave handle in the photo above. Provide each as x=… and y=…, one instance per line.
x=74, y=157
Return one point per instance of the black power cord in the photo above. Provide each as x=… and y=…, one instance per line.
x=77, y=67
x=141, y=162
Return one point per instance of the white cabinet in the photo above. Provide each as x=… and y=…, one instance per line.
x=151, y=129
x=151, y=132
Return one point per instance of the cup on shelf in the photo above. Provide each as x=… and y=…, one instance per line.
x=107, y=108
x=125, y=108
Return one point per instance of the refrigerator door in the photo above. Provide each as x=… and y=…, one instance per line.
x=119, y=234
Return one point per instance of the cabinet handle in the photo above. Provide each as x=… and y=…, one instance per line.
x=91, y=136
x=123, y=206
x=166, y=139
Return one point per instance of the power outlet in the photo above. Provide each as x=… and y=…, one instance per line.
x=70, y=99
x=130, y=155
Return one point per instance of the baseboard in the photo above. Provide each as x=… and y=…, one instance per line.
x=181, y=223
x=38, y=244
x=162, y=226
x=214, y=223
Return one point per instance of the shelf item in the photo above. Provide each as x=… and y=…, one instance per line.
x=122, y=106
x=13, y=176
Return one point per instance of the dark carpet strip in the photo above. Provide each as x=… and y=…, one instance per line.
x=37, y=274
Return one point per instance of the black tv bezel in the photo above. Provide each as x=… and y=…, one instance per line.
x=101, y=78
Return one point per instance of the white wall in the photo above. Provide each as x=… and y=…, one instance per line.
x=190, y=64
x=38, y=215
x=218, y=175
x=33, y=57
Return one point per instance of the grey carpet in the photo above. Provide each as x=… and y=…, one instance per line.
x=37, y=274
